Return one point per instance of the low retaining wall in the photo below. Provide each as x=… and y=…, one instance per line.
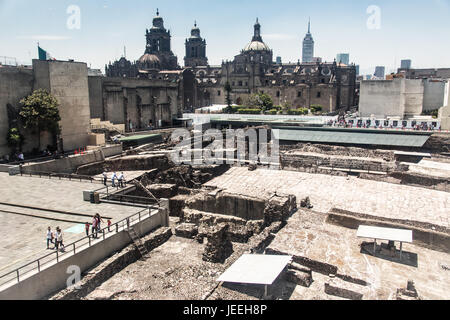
x=5, y=167
x=275, y=208
x=308, y=160
x=64, y=165
x=54, y=278
x=426, y=235
x=399, y=177
x=127, y=163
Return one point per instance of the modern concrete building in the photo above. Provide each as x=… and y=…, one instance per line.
x=67, y=81
x=442, y=73
x=444, y=113
x=402, y=98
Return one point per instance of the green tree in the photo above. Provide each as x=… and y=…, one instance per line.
x=261, y=101
x=229, y=108
x=40, y=113
x=15, y=139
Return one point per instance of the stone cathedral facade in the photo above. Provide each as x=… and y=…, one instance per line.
x=301, y=84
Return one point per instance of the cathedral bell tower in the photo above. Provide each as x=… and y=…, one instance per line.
x=195, y=49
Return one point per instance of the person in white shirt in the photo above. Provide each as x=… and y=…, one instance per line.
x=120, y=180
x=49, y=237
x=56, y=237
x=105, y=177
x=113, y=179
x=60, y=238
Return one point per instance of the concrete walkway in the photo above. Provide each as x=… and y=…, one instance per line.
x=24, y=230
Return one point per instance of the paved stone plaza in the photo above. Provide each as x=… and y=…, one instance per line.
x=351, y=194
x=307, y=235
x=24, y=230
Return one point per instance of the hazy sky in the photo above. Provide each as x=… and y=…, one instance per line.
x=414, y=29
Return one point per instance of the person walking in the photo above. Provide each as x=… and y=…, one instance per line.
x=60, y=239
x=87, y=226
x=94, y=227
x=56, y=239
x=120, y=180
x=113, y=179
x=109, y=225
x=99, y=221
x=49, y=237
x=105, y=178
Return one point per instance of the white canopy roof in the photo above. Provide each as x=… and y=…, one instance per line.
x=255, y=269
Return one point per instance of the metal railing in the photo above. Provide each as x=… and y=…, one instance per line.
x=16, y=275
x=69, y=176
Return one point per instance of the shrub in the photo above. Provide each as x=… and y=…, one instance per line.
x=249, y=111
x=272, y=111
x=316, y=108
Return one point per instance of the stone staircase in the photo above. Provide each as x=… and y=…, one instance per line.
x=97, y=124
x=137, y=241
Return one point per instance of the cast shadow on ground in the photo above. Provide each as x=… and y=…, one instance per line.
x=408, y=258
x=279, y=290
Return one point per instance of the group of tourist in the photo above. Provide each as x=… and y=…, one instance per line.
x=55, y=238
x=119, y=178
x=96, y=226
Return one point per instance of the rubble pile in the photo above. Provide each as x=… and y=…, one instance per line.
x=219, y=246
x=239, y=230
x=279, y=208
x=186, y=230
x=165, y=191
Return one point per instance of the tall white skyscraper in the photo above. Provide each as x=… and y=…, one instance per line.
x=308, y=46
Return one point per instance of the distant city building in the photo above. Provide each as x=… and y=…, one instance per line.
x=402, y=98
x=94, y=72
x=443, y=73
x=279, y=60
x=357, y=70
x=343, y=58
x=308, y=46
x=380, y=72
x=317, y=60
x=406, y=64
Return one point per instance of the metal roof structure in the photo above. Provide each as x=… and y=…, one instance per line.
x=255, y=269
x=353, y=137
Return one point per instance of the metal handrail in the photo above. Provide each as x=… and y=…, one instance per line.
x=39, y=263
x=60, y=175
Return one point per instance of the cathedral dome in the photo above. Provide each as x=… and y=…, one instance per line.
x=256, y=46
x=257, y=43
x=149, y=59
